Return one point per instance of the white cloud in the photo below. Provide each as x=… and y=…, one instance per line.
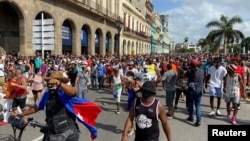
x=191, y=16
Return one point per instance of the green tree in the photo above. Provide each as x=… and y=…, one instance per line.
x=224, y=31
x=208, y=45
x=236, y=48
x=185, y=50
x=204, y=43
x=213, y=48
x=246, y=43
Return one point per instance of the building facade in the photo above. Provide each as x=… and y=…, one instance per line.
x=75, y=26
x=166, y=41
x=136, y=31
x=80, y=27
x=195, y=47
x=146, y=8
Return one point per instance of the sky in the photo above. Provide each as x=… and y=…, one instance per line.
x=188, y=18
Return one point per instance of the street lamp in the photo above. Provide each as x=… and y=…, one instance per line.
x=119, y=28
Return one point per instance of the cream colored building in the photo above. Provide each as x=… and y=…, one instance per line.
x=158, y=33
x=146, y=8
x=166, y=41
x=79, y=26
x=135, y=38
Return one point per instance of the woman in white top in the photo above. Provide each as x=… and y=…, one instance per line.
x=117, y=88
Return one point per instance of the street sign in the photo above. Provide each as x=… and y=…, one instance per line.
x=45, y=28
x=37, y=41
x=43, y=34
x=45, y=22
x=46, y=47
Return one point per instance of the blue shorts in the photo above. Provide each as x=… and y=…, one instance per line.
x=215, y=91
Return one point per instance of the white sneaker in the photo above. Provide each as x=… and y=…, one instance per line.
x=212, y=113
x=117, y=112
x=218, y=113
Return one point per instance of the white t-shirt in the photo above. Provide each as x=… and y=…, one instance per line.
x=135, y=71
x=216, y=76
x=121, y=72
x=146, y=77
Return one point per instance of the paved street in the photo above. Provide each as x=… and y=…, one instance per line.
x=110, y=125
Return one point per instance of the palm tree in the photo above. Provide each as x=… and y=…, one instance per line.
x=246, y=43
x=208, y=45
x=204, y=43
x=224, y=32
x=185, y=39
x=185, y=42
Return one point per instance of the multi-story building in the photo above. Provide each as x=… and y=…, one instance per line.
x=195, y=47
x=72, y=26
x=80, y=27
x=165, y=36
x=158, y=34
x=136, y=31
x=172, y=47
x=146, y=7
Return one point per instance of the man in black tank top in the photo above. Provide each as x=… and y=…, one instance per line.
x=147, y=112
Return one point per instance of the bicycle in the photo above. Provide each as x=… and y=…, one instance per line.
x=43, y=129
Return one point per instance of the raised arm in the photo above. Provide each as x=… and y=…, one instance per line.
x=164, y=122
x=128, y=123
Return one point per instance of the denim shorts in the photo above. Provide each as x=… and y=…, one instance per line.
x=170, y=98
x=214, y=91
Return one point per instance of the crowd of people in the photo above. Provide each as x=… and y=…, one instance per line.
x=182, y=76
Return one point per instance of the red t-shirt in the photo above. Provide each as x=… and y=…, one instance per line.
x=240, y=70
x=89, y=63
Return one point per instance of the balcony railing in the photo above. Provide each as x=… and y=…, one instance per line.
x=91, y=5
x=138, y=33
x=149, y=5
x=158, y=28
x=149, y=18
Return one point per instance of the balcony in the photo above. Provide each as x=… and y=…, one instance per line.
x=158, y=28
x=149, y=5
x=93, y=7
x=143, y=34
x=149, y=18
x=127, y=29
x=136, y=33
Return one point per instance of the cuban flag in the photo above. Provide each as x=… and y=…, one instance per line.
x=84, y=110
